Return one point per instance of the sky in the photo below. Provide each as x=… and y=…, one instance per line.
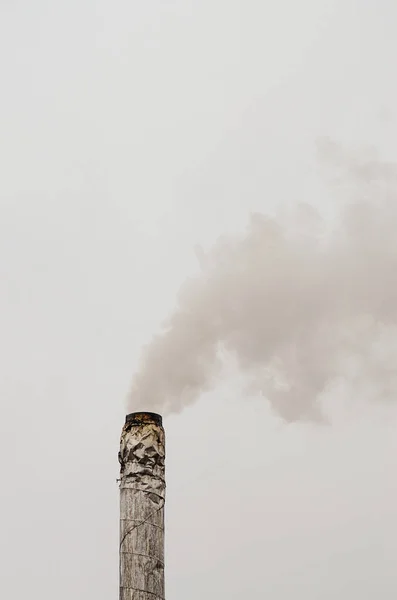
x=130, y=133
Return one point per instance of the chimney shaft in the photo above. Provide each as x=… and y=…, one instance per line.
x=142, y=498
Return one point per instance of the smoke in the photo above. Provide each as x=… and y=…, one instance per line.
x=299, y=307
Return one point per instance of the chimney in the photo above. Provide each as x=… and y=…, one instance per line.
x=142, y=498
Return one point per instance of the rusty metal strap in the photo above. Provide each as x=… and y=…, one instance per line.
x=144, y=555
x=143, y=592
x=147, y=523
x=149, y=492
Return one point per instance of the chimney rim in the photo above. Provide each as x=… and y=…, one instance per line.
x=142, y=416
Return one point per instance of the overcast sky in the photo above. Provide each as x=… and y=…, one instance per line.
x=129, y=132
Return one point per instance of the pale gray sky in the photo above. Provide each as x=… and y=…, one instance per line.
x=129, y=132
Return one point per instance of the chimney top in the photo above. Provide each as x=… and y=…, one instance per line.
x=139, y=418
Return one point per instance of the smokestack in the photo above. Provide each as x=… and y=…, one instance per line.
x=142, y=498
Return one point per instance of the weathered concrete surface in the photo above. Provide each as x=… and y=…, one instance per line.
x=142, y=498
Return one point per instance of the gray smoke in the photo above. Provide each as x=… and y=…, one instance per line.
x=298, y=307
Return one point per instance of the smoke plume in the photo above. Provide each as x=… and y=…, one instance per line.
x=298, y=307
